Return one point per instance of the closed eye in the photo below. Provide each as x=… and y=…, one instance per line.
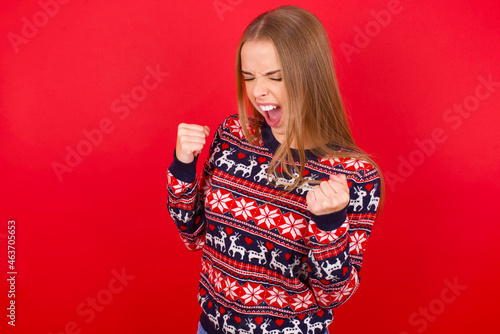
x=267, y=74
x=274, y=79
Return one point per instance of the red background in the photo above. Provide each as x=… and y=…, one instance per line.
x=109, y=213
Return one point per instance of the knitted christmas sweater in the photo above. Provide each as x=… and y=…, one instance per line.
x=268, y=264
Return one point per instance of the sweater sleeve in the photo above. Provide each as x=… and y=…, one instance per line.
x=338, y=243
x=186, y=198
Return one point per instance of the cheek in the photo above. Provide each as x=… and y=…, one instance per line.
x=251, y=99
x=248, y=90
x=281, y=96
x=249, y=96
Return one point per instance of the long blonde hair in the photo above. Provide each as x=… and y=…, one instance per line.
x=315, y=111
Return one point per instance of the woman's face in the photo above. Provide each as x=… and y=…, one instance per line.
x=261, y=70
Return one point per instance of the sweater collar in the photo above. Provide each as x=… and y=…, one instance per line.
x=268, y=138
x=272, y=144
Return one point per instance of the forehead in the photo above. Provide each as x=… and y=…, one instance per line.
x=259, y=56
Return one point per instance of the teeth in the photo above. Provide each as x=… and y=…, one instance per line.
x=268, y=107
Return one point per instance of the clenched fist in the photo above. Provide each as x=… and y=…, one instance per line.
x=190, y=141
x=329, y=196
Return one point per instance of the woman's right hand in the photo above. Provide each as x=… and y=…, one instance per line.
x=190, y=141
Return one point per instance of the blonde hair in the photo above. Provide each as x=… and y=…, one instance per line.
x=315, y=112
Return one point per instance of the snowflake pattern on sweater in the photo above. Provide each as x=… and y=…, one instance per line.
x=269, y=265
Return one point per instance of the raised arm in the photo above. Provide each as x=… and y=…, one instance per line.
x=185, y=198
x=338, y=239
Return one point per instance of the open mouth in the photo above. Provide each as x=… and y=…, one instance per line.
x=272, y=114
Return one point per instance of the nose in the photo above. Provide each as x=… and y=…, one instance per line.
x=260, y=88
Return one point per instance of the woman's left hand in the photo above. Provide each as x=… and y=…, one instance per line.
x=329, y=196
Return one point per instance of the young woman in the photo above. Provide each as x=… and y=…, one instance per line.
x=286, y=201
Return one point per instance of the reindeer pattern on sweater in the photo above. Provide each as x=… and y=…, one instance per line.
x=268, y=265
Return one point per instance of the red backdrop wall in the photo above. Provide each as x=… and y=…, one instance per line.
x=92, y=92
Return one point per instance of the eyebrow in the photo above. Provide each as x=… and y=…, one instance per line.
x=268, y=73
